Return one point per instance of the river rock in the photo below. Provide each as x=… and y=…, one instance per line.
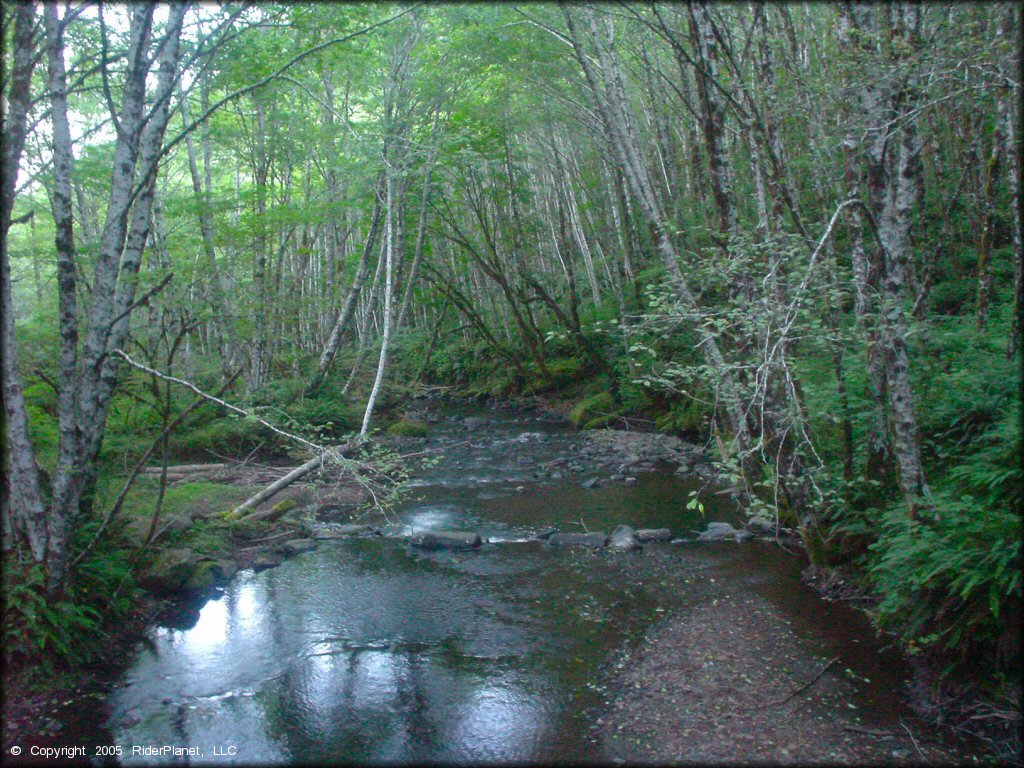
x=654, y=534
x=588, y=484
x=473, y=423
x=266, y=559
x=342, y=531
x=722, y=531
x=624, y=539
x=170, y=571
x=594, y=540
x=434, y=540
x=760, y=526
x=296, y=547
x=224, y=569
x=546, y=533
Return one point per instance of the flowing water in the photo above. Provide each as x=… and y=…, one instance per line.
x=367, y=651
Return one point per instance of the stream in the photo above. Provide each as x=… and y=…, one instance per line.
x=367, y=651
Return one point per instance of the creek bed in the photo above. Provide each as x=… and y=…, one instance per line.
x=367, y=651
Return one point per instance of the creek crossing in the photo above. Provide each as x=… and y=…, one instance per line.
x=367, y=651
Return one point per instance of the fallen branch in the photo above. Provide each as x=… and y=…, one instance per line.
x=186, y=469
x=271, y=490
x=870, y=731
x=912, y=739
x=189, y=385
x=140, y=465
x=806, y=685
x=334, y=455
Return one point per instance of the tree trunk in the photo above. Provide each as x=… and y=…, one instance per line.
x=345, y=316
x=389, y=228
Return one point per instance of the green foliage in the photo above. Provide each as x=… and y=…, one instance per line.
x=408, y=428
x=594, y=412
x=323, y=416
x=227, y=436
x=36, y=626
x=950, y=581
x=685, y=417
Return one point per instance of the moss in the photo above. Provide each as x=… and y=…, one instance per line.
x=593, y=412
x=408, y=428
x=283, y=506
x=203, y=577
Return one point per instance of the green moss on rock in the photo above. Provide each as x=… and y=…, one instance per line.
x=408, y=428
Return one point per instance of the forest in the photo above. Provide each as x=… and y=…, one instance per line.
x=787, y=232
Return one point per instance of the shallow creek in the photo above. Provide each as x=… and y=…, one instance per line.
x=366, y=651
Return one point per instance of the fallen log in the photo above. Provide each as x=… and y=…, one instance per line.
x=271, y=490
x=279, y=485
x=186, y=469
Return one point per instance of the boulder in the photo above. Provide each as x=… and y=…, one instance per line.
x=296, y=547
x=588, y=484
x=722, y=531
x=654, y=534
x=435, y=540
x=624, y=538
x=594, y=540
x=546, y=533
x=203, y=576
x=760, y=526
x=266, y=559
x=224, y=569
x=169, y=571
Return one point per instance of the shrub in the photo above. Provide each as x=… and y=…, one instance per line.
x=951, y=583
x=229, y=435
x=36, y=626
x=322, y=415
x=688, y=418
x=593, y=412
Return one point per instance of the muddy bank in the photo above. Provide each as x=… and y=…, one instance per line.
x=734, y=680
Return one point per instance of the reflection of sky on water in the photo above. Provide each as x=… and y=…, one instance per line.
x=365, y=654
x=499, y=722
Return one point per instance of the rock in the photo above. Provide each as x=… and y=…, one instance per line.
x=407, y=427
x=170, y=571
x=588, y=484
x=348, y=529
x=458, y=540
x=204, y=576
x=616, y=477
x=654, y=534
x=266, y=559
x=624, y=538
x=594, y=540
x=546, y=533
x=557, y=475
x=722, y=531
x=760, y=526
x=629, y=480
x=224, y=569
x=296, y=547
x=473, y=423
x=683, y=469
